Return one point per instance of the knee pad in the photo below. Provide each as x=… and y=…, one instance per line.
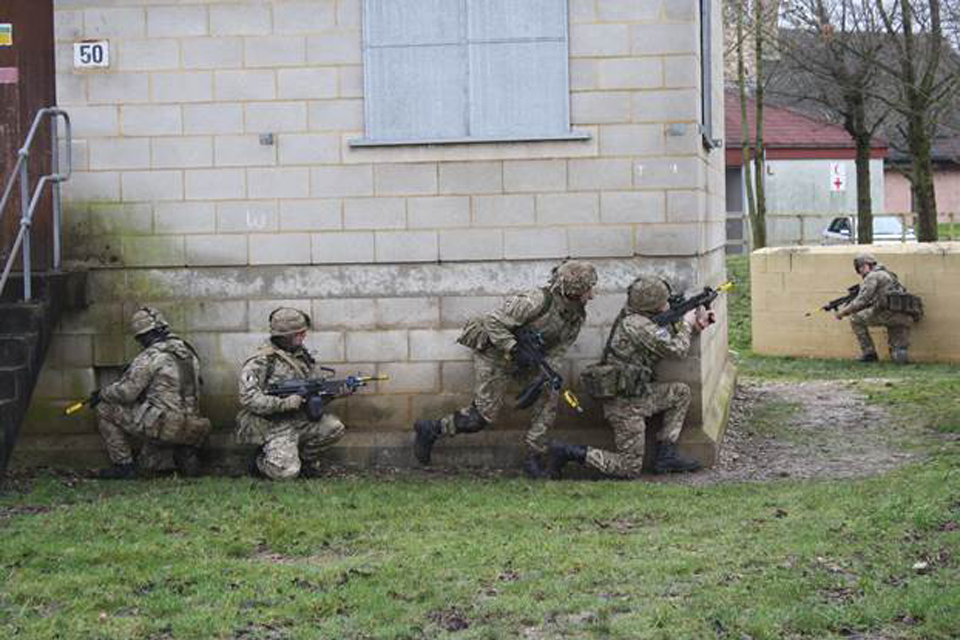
x=469, y=421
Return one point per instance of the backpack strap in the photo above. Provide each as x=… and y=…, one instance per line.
x=613, y=329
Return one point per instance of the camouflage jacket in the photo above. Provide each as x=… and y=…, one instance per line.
x=637, y=344
x=261, y=416
x=874, y=290
x=165, y=375
x=555, y=316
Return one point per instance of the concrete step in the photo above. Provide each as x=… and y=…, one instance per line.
x=12, y=382
x=20, y=317
x=17, y=350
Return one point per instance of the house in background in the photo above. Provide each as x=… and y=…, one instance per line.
x=393, y=167
x=810, y=175
x=946, y=179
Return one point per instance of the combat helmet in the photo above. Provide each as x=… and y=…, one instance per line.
x=147, y=319
x=647, y=294
x=573, y=278
x=862, y=259
x=286, y=321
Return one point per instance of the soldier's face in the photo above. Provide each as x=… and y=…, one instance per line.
x=864, y=269
x=585, y=297
x=297, y=339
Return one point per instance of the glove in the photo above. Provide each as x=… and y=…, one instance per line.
x=522, y=358
x=291, y=403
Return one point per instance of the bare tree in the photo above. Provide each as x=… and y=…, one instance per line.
x=922, y=69
x=830, y=60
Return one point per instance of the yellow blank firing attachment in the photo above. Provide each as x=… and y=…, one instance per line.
x=726, y=286
x=76, y=406
x=572, y=401
x=372, y=378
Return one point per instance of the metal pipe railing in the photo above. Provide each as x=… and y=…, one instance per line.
x=28, y=203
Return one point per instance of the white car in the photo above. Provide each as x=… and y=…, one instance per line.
x=842, y=230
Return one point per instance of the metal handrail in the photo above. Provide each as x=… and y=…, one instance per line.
x=29, y=203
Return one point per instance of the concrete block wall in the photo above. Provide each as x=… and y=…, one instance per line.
x=789, y=282
x=176, y=200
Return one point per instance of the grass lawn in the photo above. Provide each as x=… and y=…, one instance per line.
x=416, y=556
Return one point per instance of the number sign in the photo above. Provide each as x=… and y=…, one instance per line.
x=91, y=54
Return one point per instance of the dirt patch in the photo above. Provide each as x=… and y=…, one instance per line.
x=804, y=430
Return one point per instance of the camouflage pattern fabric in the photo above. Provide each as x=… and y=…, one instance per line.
x=628, y=415
x=492, y=375
x=152, y=400
x=287, y=450
x=868, y=309
x=491, y=337
x=638, y=344
x=288, y=438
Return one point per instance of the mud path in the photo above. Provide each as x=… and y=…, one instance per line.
x=800, y=430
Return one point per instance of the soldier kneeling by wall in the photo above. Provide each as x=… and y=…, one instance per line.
x=881, y=302
x=624, y=382
x=289, y=442
x=156, y=400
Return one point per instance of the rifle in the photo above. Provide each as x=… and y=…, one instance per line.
x=833, y=305
x=679, y=306
x=318, y=391
x=91, y=401
x=530, y=343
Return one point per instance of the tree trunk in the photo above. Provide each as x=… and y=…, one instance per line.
x=759, y=229
x=745, y=132
x=924, y=199
x=864, y=201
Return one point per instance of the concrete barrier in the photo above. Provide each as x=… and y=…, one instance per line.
x=789, y=282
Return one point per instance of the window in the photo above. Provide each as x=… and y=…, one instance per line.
x=706, y=75
x=465, y=71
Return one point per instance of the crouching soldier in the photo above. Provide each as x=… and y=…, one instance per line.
x=556, y=312
x=881, y=302
x=156, y=401
x=289, y=443
x=624, y=383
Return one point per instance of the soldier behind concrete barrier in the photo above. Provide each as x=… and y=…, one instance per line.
x=557, y=311
x=623, y=382
x=156, y=400
x=288, y=443
x=881, y=302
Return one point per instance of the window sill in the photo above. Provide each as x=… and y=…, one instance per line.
x=373, y=142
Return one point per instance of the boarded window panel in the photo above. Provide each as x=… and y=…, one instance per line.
x=413, y=22
x=419, y=92
x=518, y=89
x=512, y=20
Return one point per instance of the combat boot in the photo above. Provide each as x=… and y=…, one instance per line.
x=427, y=433
x=669, y=461
x=899, y=355
x=560, y=454
x=125, y=471
x=868, y=357
x=532, y=467
x=186, y=460
x=253, y=469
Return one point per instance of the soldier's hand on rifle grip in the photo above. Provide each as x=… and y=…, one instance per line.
x=705, y=318
x=291, y=403
x=522, y=358
x=690, y=317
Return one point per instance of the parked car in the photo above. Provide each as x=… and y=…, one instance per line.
x=842, y=230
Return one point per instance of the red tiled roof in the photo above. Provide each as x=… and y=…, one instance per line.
x=785, y=129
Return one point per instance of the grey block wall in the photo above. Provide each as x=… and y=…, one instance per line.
x=176, y=202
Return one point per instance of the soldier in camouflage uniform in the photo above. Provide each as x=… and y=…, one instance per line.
x=288, y=443
x=636, y=344
x=871, y=308
x=156, y=400
x=557, y=311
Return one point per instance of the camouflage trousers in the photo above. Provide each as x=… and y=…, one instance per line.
x=627, y=416
x=299, y=444
x=492, y=376
x=897, y=324
x=120, y=431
